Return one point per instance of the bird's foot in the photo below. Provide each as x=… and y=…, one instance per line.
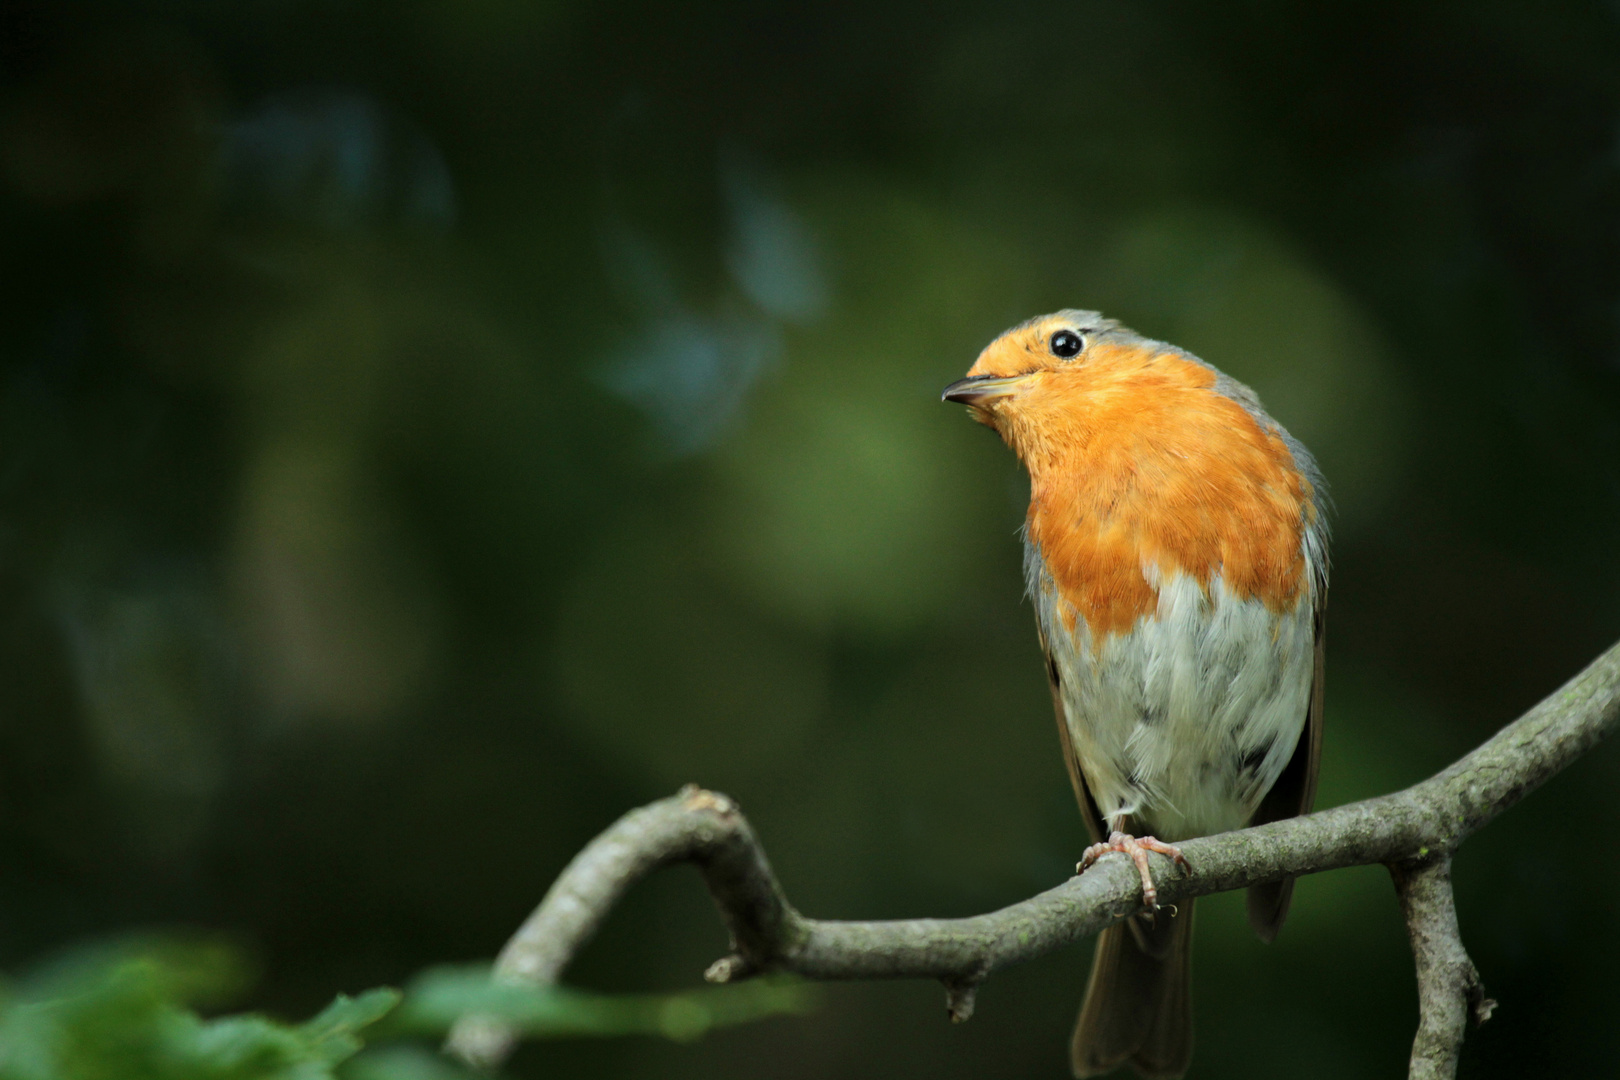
x=1137, y=848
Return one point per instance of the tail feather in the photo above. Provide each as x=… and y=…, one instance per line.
x=1138, y=1005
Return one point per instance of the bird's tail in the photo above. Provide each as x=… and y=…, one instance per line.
x=1138, y=1005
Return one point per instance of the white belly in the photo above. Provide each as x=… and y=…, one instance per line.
x=1187, y=720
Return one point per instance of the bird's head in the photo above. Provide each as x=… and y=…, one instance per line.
x=1032, y=382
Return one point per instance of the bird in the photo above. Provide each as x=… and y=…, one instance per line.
x=1176, y=556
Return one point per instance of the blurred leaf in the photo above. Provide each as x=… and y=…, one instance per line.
x=401, y=1062
x=438, y=997
x=119, y=1012
x=194, y=970
x=337, y=1026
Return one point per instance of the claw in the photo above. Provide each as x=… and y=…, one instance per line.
x=1137, y=849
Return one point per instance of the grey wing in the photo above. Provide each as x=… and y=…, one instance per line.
x=1292, y=795
x=1088, y=806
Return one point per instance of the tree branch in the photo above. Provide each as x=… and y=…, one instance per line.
x=1417, y=828
x=1449, y=991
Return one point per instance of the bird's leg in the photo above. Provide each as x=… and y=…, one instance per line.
x=1137, y=849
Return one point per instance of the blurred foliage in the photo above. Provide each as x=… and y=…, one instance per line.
x=429, y=429
x=435, y=999
x=122, y=1011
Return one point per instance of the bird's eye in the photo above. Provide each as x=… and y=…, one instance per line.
x=1067, y=344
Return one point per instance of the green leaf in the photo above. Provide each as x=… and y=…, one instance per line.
x=400, y=1062
x=436, y=998
x=335, y=1030
x=119, y=1011
x=122, y=1011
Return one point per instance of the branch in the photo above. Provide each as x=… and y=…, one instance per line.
x=1449, y=991
x=1427, y=821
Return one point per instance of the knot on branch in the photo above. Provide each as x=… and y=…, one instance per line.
x=732, y=967
x=1480, y=1007
x=959, y=999
x=698, y=799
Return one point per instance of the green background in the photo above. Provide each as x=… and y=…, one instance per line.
x=428, y=430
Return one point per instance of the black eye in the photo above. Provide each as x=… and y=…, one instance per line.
x=1067, y=343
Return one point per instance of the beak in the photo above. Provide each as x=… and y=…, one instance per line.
x=977, y=390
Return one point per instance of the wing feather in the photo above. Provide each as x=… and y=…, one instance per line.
x=1088, y=806
x=1293, y=794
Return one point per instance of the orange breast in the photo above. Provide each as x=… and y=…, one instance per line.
x=1149, y=468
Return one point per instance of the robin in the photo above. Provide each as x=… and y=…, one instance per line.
x=1175, y=551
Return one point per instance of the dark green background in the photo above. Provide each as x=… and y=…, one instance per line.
x=430, y=429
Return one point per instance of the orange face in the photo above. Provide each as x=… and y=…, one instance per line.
x=1032, y=383
x=1138, y=468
